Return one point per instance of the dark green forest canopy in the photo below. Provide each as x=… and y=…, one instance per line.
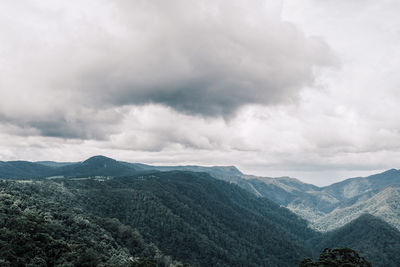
x=337, y=257
x=374, y=239
x=194, y=217
x=42, y=225
x=164, y=218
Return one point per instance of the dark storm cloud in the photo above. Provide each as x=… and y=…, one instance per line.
x=64, y=129
x=81, y=124
x=206, y=58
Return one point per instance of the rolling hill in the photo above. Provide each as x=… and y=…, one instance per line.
x=199, y=220
x=190, y=216
x=23, y=169
x=326, y=208
x=374, y=239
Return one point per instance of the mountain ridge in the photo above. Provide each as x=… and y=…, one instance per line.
x=318, y=205
x=227, y=217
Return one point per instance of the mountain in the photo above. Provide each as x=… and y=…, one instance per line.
x=23, y=169
x=96, y=166
x=385, y=204
x=192, y=217
x=293, y=194
x=337, y=257
x=353, y=187
x=226, y=173
x=101, y=166
x=54, y=164
x=326, y=208
x=374, y=239
x=199, y=220
x=377, y=194
x=42, y=225
x=167, y=218
x=330, y=207
x=306, y=200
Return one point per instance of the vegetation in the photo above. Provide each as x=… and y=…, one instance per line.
x=39, y=228
x=373, y=238
x=170, y=218
x=338, y=257
x=199, y=220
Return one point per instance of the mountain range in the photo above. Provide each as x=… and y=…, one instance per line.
x=326, y=208
x=199, y=215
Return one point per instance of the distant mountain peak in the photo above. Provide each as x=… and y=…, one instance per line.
x=392, y=171
x=98, y=159
x=232, y=169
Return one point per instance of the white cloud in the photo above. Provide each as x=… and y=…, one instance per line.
x=197, y=57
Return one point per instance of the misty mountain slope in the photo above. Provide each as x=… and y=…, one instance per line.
x=290, y=192
x=385, y=205
x=330, y=207
x=304, y=199
x=376, y=194
x=198, y=219
x=373, y=238
x=226, y=173
x=353, y=187
x=54, y=164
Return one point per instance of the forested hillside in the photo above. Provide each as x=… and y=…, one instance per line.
x=165, y=218
x=41, y=224
x=191, y=217
x=337, y=257
x=373, y=238
x=199, y=220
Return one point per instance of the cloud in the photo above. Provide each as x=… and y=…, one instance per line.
x=204, y=82
x=156, y=128
x=74, y=123
x=206, y=58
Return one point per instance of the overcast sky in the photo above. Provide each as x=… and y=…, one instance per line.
x=307, y=89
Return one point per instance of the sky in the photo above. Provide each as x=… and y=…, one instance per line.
x=306, y=89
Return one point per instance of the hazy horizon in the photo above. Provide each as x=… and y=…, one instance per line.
x=306, y=179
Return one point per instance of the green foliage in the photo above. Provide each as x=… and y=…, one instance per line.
x=144, y=262
x=338, y=257
x=94, y=166
x=198, y=219
x=42, y=225
x=23, y=169
x=373, y=238
x=189, y=216
x=164, y=218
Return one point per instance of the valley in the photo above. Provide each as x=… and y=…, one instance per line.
x=199, y=216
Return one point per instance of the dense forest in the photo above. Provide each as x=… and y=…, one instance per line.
x=377, y=240
x=41, y=225
x=342, y=257
x=169, y=218
x=196, y=218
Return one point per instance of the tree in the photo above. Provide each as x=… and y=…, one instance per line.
x=345, y=257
